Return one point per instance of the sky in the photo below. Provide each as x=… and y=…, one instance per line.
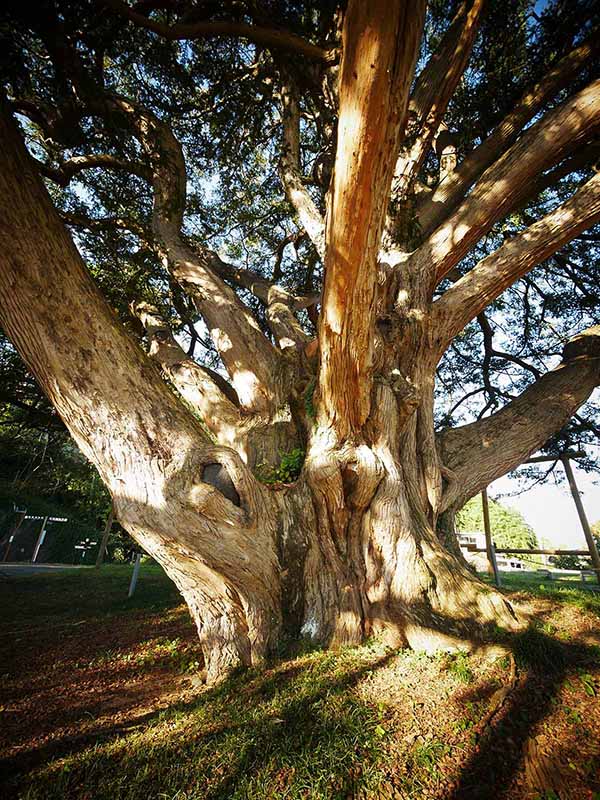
x=549, y=508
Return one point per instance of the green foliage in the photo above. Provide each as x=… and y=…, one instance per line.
x=459, y=665
x=308, y=400
x=578, y=562
x=509, y=529
x=287, y=471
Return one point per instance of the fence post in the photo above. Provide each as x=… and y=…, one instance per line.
x=134, y=577
x=587, y=531
x=105, y=535
x=13, y=533
x=489, y=545
x=40, y=540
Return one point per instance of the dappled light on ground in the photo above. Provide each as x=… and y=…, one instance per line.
x=104, y=698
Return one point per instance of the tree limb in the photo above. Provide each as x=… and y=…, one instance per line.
x=274, y=38
x=251, y=360
x=449, y=194
x=474, y=455
x=193, y=382
x=493, y=274
x=505, y=184
x=66, y=171
x=434, y=88
x=100, y=223
x=291, y=176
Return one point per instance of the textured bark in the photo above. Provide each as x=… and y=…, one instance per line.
x=505, y=184
x=149, y=450
x=492, y=275
x=380, y=43
x=479, y=453
x=363, y=542
x=450, y=192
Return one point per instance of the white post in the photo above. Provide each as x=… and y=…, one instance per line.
x=134, y=577
x=40, y=540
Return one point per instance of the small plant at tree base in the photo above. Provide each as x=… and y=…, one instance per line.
x=287, y=471
x=460, y=667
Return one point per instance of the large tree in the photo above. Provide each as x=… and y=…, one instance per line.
x=421, y=163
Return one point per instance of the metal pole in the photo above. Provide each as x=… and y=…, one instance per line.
x=134, y=577
x=105, y=535
x=489, y=545
x=40, y=540
x=13, y=533
x=587, y=531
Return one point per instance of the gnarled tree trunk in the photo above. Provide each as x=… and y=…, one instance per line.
x=362, y=543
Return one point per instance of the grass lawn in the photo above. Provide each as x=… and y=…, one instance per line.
x=103, y=697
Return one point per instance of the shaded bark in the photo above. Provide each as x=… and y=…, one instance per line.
x=363, y=542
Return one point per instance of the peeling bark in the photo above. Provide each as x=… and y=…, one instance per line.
x=362, y=543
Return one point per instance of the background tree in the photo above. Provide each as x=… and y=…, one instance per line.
x=509, y=529
x=578, y=562
x=316, y=219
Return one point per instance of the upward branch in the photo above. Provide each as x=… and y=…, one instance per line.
x=479, y=453
x=380, y=43
x=493, y=274
x=450, y=193
x=434, y=88
x=95, y=375
x=251, y=360
x=290, y=171
x=505, y=184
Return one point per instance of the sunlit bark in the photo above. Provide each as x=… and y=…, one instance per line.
x=362, y=542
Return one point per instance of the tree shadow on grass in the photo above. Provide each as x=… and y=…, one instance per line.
x=290, y=729
x=294, y=730
x=507, y=744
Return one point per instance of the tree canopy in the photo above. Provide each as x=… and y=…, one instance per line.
x=257, y=129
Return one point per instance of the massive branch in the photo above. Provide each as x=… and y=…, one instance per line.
x=451, y=191
x=491, y=276
x=506, y=183
x=475, y=455
x=434, y=88
x=380, y=45
x=149, y=450
x=253, y=363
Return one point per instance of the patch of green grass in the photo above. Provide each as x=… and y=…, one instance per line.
x=296, y=731
x=563, y=590
x=459, y=665
x=426, y=755
x=171, y=653
x=83, y=594
x=462, y=725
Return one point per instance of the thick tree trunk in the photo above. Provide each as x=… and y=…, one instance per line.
x=362, y=543
x=375, y=555
x=350, y=550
